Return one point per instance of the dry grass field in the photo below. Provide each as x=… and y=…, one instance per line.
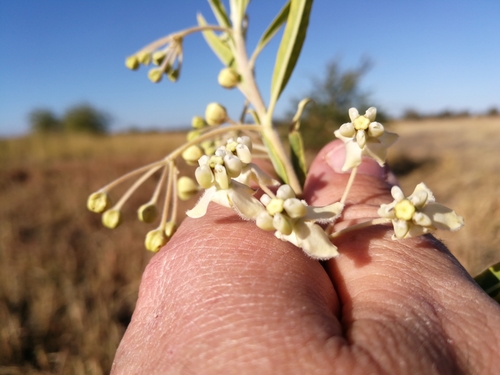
x=68, y=286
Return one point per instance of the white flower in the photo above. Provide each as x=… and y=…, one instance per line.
x=364, y=136
x=294, y=221
x=418, y=213
x=215, y=174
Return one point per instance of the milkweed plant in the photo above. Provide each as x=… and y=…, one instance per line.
x=225, y=149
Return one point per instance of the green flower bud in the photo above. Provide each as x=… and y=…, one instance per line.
x=215, y=114
x=229, y=78
x=98, y=202
x=193, y=134
x=192, y=154
x=155, y=75
x=158, y=57
x=155, y=240
x=147, y=213
x=198, y=122
x=186, y=188
x=111, y=218
x=144, y=57
x=173, y=75
x=132, y=62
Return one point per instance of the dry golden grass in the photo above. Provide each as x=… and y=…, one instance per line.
x=68, y=286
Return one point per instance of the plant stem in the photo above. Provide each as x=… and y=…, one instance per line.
x=349, y=185
x=134, y=187
x=360, y=226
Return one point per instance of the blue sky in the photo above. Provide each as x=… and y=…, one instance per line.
x=428, y=54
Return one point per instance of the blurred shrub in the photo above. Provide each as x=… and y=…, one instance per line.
x=333, y=94
x=84, y=118
x=44, y=121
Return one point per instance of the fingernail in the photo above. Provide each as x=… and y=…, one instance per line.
x=335, y=158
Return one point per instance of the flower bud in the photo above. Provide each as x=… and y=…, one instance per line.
x=282, y=224
x=192, y=154
x=193, y=134
x=155, y=240
x=158, y=57
x=215, y=114
x=186, y=188
x=198, y=122
x=144, y=58
x=132, y=62
x=155, y=75
x=111, y=218
x=98, y=202
x=173, y=75
x=147, y=213
x=228, y=78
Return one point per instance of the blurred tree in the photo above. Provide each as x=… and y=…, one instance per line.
x=44, y=121
x=333, y=94
x=86, y=119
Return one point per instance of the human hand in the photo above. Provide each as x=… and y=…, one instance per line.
x=224, y=299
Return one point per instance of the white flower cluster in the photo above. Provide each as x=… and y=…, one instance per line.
x=294, y=221
x=364, y=137
x=418, y=214
x=225, y=177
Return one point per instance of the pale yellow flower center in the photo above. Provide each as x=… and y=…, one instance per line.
x=275, y=206
x=404, y=210
x=361, y=123
x=214, y=160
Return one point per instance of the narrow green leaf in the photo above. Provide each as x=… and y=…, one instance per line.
x=220, y=13
x=489, y=281
x=275, y=159
x=297, y=144
x=273, y=28
x=290, y=46
x=220, y=48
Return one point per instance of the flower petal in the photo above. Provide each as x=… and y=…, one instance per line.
x=312, y=239
x=241, y=199
x=200, y=209
x=353, y=155
x=443, y=217
x=347, y=130
x=376, y=151
x=388, y=138
x=326, y=214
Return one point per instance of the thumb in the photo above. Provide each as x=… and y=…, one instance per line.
x=412, y=292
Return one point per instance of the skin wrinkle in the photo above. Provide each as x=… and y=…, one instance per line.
x=246, y=293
